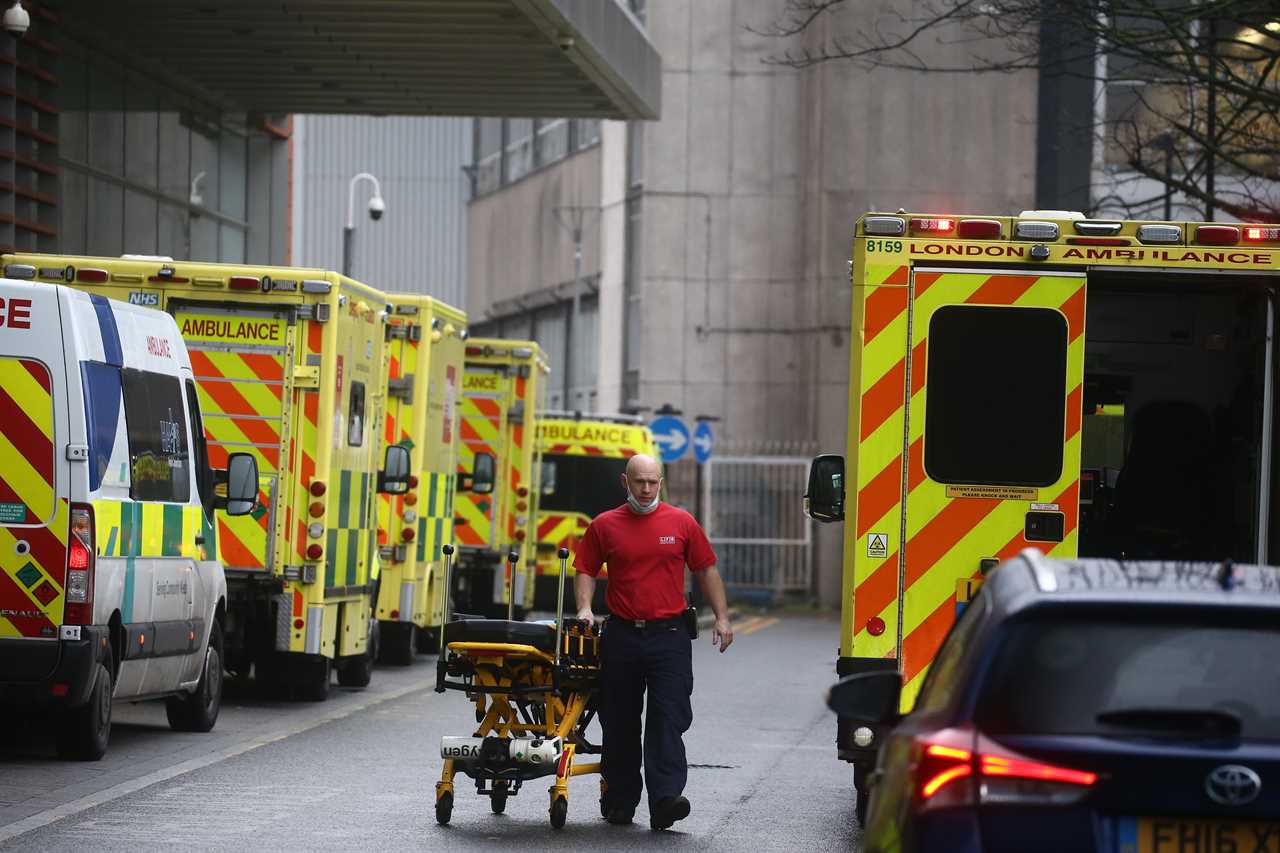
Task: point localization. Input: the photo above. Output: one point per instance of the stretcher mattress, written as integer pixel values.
(539, 635)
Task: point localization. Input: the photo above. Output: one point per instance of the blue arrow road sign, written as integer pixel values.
(672, 437)
(703, 441)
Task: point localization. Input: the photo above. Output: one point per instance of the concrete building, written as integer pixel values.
(163, 127)
(716, 257)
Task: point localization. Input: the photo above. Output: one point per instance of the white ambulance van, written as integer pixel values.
(110, 587)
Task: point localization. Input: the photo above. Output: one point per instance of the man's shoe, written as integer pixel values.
(667, 811)
(620, 816)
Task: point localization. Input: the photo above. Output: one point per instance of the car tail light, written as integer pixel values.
(80, 566)
(949, 773)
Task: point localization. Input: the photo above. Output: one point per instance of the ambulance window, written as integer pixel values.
(159, 465)
(355, 419)
(204, 476)
(995, 396)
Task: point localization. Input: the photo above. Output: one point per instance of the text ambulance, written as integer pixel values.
(423, 385)
(496, 504)
(288, 368)
(109, 579)
(583, 458)
(1084, 387)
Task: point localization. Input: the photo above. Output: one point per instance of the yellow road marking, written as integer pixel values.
(757, 624)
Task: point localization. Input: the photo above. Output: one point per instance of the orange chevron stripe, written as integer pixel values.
(943, 532)
(883, 306)
(882, 399)
(1074, 405)
(1002, 289)
(234, 552)
(915, 469)
(925, 280)
(919, 647)
(876, 592)
(1073, 308)
(877, 497)
(315, 337)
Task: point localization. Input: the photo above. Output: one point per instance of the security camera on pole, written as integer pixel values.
(376, 208)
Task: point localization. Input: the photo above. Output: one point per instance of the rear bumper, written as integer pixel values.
(31, 670)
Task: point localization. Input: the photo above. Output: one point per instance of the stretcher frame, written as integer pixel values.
(520, 690)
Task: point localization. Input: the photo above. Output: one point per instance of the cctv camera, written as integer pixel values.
(376, 208)
(16, 20)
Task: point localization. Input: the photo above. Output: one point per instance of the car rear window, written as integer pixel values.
(1056, 675)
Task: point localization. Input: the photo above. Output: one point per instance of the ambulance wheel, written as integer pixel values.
(398, 645)
(444, 808)
(85, 731)
(358, 671)
(498, 799)
(198, 712)
(313, 679)
(428, 642)
(559, 811)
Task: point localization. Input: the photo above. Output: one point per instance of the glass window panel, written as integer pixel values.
(204, 239)
(139, 224)
(106, 219)
(490, 137)
(175, 165)
(141, 133)
(519, 148)
(232, 249)
(588, 132)
(233, 150)
(159, 466)
(172, 238)
(106, 120)
(73, 212)
(553, 141)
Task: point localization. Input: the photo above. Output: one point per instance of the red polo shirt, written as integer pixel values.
(646, 556)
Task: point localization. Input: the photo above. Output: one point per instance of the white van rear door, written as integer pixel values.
(34, 478)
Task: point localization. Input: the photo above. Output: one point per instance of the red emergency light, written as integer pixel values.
(91, 276)
(933, 225)
(979, 229)
(1261, 233)
(1217, 235)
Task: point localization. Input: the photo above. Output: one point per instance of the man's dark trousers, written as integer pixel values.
(658, 657)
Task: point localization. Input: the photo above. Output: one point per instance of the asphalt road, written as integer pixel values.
(357, 772)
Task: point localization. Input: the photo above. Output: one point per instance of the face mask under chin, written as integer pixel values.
(637, 507)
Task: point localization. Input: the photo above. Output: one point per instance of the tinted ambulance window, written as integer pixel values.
(585, 484)
(996, 395)
(355, 419)
(203, 474)
(159, 465)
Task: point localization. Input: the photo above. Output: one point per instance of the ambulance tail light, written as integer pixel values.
(1160, 233)
(80, 566)
(979, 229)
(884, 226)
(932, 226)
(1217, 235)
(314, 551)
(1261, 233)
(521, 535)
(91, 276)
(244, 282)
(316, 488)
(1033, 229)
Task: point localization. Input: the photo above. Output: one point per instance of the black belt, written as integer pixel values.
(641, 624)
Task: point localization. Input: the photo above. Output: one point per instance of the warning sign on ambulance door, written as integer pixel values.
(877, 546)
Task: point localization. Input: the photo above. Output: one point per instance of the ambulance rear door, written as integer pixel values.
(240, 359)
(485, 399)
(34, 483)
(993, 388)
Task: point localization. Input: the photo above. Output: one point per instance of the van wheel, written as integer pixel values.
(313, 679)
(197, 712)
(84, 732)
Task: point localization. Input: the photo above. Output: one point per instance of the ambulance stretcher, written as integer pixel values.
(534, 686)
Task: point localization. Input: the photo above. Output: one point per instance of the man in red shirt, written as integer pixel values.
(646, 544)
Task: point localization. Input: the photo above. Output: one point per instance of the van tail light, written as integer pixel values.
(949, 773)
(80, 565)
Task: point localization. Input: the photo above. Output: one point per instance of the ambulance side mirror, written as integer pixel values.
(241, 480)
(868, 697)
(824, 500)
(393, 479)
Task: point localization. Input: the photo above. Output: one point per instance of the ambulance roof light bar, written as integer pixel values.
(1154, 233)
(884, 226)
(1035, 229)
(1261, 233)
(1217, 235)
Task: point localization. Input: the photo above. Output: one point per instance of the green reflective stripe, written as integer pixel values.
(344, 500)
(431, 500)
(171, 533)
(364, 500)
(330, 555)
(130, 546)
(353, 555)
(110, 549)
(422, 538)
(439, 540)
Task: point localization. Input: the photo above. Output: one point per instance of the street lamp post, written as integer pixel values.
(376, 208)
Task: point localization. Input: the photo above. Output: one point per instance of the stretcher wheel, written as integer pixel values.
(559, 811)
(444, 808)
(498, 799)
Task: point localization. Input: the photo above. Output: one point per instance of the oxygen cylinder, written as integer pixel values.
(524, 750)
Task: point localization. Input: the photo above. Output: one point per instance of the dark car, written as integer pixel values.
(1088, 705)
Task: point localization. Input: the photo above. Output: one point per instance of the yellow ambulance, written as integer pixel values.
(1089, 387)
(423, 387)
(583, 456)
(495, 505)
(288, 367)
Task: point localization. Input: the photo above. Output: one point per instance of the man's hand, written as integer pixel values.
(722, 634)
(585, 615)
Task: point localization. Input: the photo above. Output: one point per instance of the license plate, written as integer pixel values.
(1194, 835)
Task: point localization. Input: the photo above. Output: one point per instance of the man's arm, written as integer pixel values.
(712, 587)
(584, 590)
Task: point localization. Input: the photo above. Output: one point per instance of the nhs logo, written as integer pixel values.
(144, 297)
